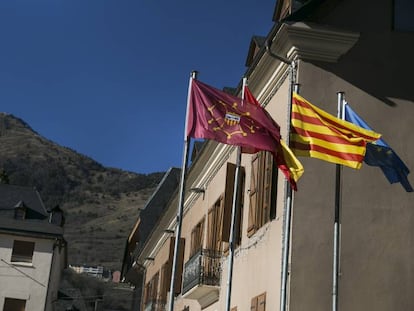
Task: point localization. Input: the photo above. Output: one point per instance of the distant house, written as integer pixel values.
(95, 271)
(116, 276)
(33, 252)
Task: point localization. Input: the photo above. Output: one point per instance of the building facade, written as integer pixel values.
(32, 250)
(336, 48)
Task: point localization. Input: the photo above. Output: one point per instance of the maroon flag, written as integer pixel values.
(216, 115)
(249, 97)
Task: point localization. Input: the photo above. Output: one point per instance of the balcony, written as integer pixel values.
(201, 277)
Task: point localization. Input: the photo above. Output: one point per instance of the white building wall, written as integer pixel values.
(26, 281)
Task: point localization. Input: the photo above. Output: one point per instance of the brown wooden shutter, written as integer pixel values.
(261, 302)
(145, 295)
(197, 235)
(267, 188)
(228, 201)
(253, 304)
(254, 195)
(180, 264)
(165, 280)
(210, 228)
(219, 224)
(239, 208)
(154, 289)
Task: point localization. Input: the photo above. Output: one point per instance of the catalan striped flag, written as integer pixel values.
(318, 134)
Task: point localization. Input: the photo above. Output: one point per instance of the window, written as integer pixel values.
(197, 235)
(219, 215)
(258, 303)
(214, 225)
(11, 304)
(20, 213)
(165, 280)
(263, 191)
(22, 251)
(403, 15)
(151, 291)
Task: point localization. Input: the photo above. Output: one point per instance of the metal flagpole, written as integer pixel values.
(337, 222)
(182, 196)
(233, 219)
(288, 193)
(293, 87)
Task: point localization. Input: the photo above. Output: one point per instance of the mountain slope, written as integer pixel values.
(101, 204)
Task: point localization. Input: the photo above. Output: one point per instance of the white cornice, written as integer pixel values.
(309, 41)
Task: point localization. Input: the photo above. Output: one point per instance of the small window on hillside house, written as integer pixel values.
(20, 213)
(11, 304)
(22, 251)
(403, 15)
(263, 191)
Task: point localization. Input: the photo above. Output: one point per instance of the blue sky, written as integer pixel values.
(109, 78)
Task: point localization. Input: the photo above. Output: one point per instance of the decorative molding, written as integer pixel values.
(309, 41)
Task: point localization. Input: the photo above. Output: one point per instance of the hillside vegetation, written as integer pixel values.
(101, 204)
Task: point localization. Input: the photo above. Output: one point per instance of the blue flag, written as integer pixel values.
(380, 154)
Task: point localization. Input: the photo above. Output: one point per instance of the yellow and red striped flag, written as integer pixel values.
(318, 134)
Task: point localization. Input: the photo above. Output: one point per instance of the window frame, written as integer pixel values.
(9, 300)
(263, 191)
(25, 257)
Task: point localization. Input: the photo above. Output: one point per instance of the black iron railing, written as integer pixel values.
(203, 268)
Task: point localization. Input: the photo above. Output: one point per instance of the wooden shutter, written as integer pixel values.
(239, 208)
(145, 295)
(267, 188)
(210, 228)
(228, 201)
(197, 236)
(214, 225)
(154, 286)
(254, 194)
(261, 302)
(253, 304)
(180, 263)
(165, 280)
(258, 303)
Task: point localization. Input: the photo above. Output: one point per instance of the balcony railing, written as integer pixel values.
(203, 268)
